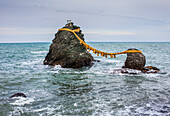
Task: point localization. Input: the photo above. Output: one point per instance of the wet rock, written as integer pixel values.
(96, 60)
(18, 95)
(135, 60)
(126, 71)
(134, 71)
(150, 69)
(66, 50)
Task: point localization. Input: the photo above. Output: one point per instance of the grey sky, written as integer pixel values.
(100, 20)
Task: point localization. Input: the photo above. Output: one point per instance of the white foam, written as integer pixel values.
(75, 104)
(38, 52)
(152, 75)
(22, 101)
(39, 110)
(130, 71)
(18, 111)
(49, 110)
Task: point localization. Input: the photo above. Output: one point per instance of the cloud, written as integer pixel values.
(145, 19)
(24, 31)
(38, 31)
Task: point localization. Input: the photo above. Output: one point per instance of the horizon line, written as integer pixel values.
(100, 42)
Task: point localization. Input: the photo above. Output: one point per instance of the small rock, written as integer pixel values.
(96, 60)
(150, 69)
(18, 95)
(126, 71)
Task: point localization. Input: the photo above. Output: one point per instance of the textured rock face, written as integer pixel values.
(66, 50)
(135, 60)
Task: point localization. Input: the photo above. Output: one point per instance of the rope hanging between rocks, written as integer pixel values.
(95, 50)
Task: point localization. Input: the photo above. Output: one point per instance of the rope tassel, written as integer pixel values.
(94, 51)
(102, 54)
(81, 42)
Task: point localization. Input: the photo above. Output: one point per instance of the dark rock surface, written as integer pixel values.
(150, 69)
(135, 60)
(126, 71)
(66, 50)
(18, 95)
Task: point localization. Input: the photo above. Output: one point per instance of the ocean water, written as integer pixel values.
(95, 91)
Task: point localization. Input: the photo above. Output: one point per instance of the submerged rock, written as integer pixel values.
(150, 69)
(18, 95)
(135, 60)
(134, 71)
(126, 71)
(66, 50)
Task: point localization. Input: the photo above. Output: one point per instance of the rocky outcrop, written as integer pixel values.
(66, 50)
(135, 64)
(135, 60)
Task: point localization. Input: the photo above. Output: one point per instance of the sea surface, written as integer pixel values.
(90, 91)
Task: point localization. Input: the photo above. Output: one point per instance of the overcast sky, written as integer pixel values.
(100, 20)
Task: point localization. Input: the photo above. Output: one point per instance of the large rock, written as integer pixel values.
(66, 50)
(135, 60)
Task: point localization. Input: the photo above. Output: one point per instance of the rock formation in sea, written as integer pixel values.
(18, 95)
(135, 60)
(66, 50)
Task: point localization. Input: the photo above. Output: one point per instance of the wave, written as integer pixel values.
(22, 101)
(39, 52)
(31, 62)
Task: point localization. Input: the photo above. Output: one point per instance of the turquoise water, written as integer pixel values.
(88, 91)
